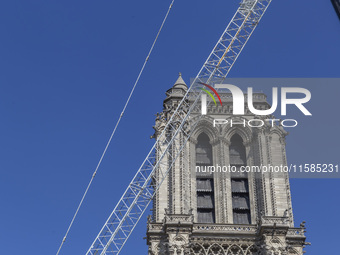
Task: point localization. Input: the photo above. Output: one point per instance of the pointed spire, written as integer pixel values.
(177, 91)
(180, 83)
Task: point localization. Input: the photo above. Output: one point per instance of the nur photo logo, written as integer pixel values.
(242, 101)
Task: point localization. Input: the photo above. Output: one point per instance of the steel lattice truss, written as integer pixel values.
(171, 141)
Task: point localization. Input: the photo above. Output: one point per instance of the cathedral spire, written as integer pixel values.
(175, 94)
(180, 83)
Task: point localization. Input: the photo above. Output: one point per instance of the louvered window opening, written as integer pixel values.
(204, 181)
(239, 182)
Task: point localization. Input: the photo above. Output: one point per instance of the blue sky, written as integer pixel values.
(67, 68)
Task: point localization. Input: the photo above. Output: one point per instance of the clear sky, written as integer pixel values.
(67, 68)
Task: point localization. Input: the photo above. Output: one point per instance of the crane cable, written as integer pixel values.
(115, 128)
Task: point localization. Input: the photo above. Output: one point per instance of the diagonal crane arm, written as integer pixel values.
(142, 188)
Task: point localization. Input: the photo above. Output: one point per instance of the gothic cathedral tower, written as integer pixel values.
(201, 212)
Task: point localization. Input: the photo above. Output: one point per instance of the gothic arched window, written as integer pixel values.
(239, 182)
(204, 181)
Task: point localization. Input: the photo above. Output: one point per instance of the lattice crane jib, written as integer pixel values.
(175, 134)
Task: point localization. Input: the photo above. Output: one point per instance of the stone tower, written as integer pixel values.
(201, 212)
